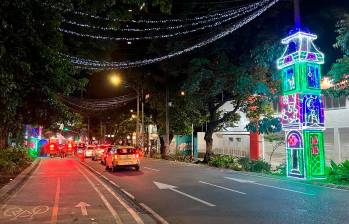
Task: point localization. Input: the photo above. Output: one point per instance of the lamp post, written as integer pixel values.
(116, 80)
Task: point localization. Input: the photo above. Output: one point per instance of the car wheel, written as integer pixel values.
(113, 168)
(106, 167)
(137, 167)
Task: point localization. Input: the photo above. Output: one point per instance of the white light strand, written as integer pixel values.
(197, 18)
(94, 64)
(97, 104)
(158, 36)
(181, 26)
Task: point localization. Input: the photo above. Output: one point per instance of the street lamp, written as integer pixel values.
(116, 80)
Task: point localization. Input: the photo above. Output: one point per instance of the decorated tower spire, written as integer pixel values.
(302, 104)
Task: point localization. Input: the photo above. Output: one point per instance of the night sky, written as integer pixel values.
(318, 16)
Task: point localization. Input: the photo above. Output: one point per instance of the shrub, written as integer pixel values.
(339, 173)
(260, 166)
(13, 160)
(225, 161)
(245, 163)
(281, 170)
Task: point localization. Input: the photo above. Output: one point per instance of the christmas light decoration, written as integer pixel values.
(302, 106)
(196, 22)
(105, 65)
(157, 21)
(96, 105)
(161, 36)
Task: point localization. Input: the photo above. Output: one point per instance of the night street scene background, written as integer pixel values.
(174, 111)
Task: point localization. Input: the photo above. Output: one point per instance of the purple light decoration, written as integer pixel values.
(311, 56)
(312, 111)
(288, 59)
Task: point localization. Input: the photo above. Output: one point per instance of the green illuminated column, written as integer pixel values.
(302, 106)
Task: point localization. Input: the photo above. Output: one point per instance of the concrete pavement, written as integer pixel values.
(63, 191)
(187, 193)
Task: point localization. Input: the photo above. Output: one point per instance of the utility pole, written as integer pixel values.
(88, 129)
(142, 127)
(167, 138)
(137, 121)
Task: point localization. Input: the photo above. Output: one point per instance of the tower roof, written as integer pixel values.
(300, 48)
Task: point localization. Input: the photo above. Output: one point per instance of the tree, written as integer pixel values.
(340, 69)
(32, 71)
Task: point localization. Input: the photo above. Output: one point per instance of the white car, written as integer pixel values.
(89, 151)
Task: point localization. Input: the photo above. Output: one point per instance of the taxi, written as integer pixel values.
(122, 156)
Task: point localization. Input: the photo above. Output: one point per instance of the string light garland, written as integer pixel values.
(162, 36)
(94, 64)
(142, 21)
(218, 16)
(96, 105)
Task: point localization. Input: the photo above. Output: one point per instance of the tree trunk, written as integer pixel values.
(209, 143)
(163, 149)
(3, 138)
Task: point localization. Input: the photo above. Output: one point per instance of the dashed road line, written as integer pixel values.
(156, 215)
(128, 194)
(132, 212)
(271, 186)
(221, 187)
(148, 168)
(55, 208)
(105, 201)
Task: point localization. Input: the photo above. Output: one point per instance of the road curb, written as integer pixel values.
(10, 188)
(128, 195)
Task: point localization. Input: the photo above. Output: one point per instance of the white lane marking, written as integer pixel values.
(240, 180)
(128, 194)
(54, 215)
(132, 212)
(163, 186)
(156, 215)
(105, 201)
(271, 186)
(151, 168)
(82, 206)
(221, 187)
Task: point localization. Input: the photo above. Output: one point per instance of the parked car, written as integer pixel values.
(98, 152)
(89, 151)
(122, 156)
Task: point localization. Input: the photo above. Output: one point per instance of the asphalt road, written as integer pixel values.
(200, 194)
(64, 191)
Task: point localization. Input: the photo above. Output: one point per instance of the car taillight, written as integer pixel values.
(136, 155)
(115, 156)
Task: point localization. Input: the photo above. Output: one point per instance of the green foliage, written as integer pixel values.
(342, 40)
(267, 125)
(281, 170)
(225, 161)
(243, 163)
(13, 160)
(32, 71)
(340, 69)
(254, 165)
(339, 173)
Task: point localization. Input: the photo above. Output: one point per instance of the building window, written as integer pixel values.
(332, 102)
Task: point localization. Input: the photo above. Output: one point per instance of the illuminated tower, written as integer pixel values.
(302, 106)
